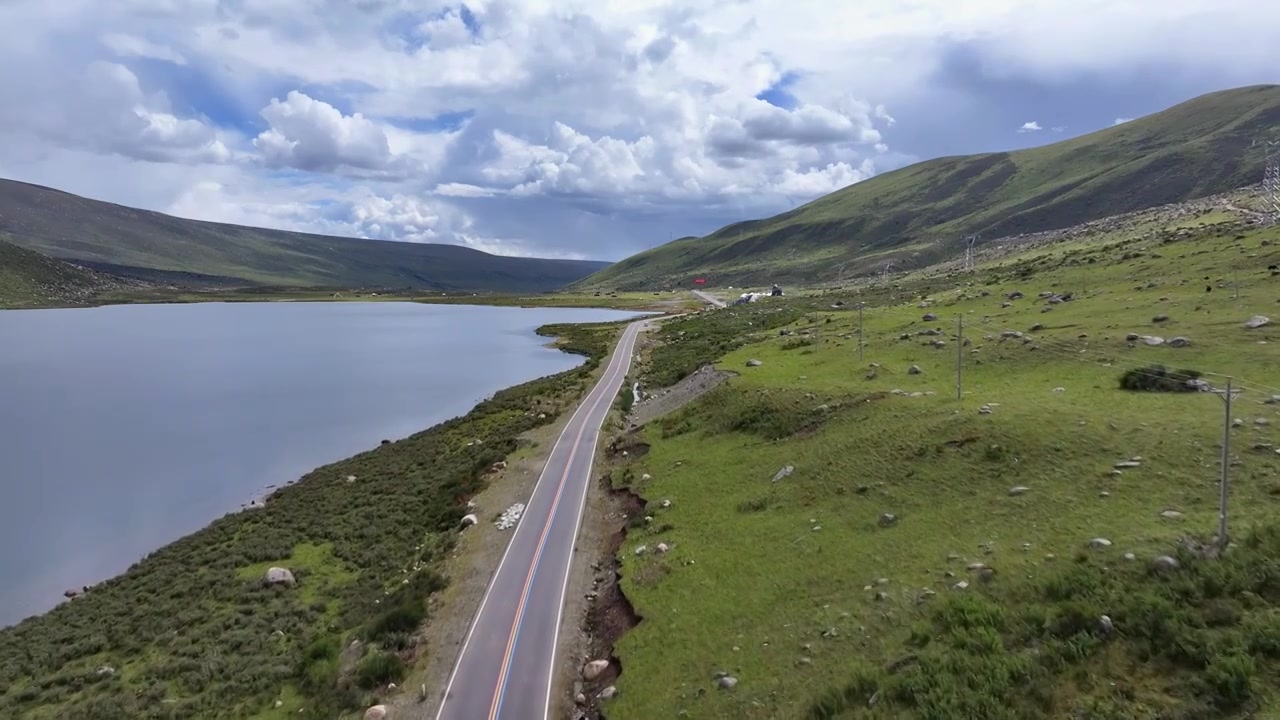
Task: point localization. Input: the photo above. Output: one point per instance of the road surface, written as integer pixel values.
(714, 301)
(507, 663)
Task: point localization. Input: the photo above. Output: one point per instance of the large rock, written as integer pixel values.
(754, 363)
(280, 576)
(594, 669)
(1257, 321)
(377, 712)
(784, 472)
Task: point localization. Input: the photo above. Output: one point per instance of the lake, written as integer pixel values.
(123, 428)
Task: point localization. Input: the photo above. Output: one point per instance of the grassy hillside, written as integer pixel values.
(29, 279)
(153, 246)
(990, 592)
(918, 214)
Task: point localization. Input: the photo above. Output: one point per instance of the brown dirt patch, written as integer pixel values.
(608, 613)
(667, 400)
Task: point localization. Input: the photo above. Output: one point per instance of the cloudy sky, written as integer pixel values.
(571, 128)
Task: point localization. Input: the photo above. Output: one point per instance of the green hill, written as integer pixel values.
(29, 279)
(153, 246)
(918, 214)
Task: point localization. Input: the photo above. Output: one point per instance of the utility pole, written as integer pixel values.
(860, 306)
(1227, 396)
(959, 356)
(884, 269)
(969, 242)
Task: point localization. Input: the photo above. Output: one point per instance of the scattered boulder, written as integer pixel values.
(984, 410)
(914, 370)
(594, 669)
(469, 520)
(1099, 542)
(608, 693)
(1153, 340)
(1037, 327)
(887, 519)
(1105, 625)
(784, 472)
(377, 712)
(754, 363)
(1170, 514)
(727, 682)
(642, 550)
(662, 548)
(929, 317)
(351, 478)
(1015, 295)
(105, 671)
(1160, 318)
(1164, 563)
(1018, 490)
(1179, 342)
(280, 576)
(1256, 322)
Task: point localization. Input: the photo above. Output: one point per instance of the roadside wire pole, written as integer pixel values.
(959, 357)
(1227, 396)
(861, 305)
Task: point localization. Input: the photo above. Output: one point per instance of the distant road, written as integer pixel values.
(714, 301)
(507, 663)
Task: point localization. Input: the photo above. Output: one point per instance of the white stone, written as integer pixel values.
(280, 576)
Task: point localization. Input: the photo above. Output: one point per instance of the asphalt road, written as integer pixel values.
(507, 663)
(714, 301)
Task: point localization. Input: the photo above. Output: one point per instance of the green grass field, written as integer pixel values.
(917, 215)
(796, 589)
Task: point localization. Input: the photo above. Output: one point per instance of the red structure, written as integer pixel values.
(700, 281)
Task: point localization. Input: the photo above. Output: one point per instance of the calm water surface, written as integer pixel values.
(124, 428)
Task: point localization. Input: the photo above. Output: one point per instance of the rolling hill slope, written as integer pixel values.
(150, 245)
(918, 214)
(29, 279)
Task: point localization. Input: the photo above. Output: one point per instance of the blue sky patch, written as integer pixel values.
(779, 93)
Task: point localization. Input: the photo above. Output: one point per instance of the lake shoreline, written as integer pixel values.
(324, 558)
(627, 301)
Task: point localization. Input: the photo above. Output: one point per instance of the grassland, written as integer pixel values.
(916, 215)
(976, 600)
(163, 250)
(29, 279)
(192, 630)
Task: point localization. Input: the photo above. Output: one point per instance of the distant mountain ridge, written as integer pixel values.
(919, 214)
(153, 246)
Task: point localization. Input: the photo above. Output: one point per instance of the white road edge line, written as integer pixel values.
(582, 508)
(475, 621)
